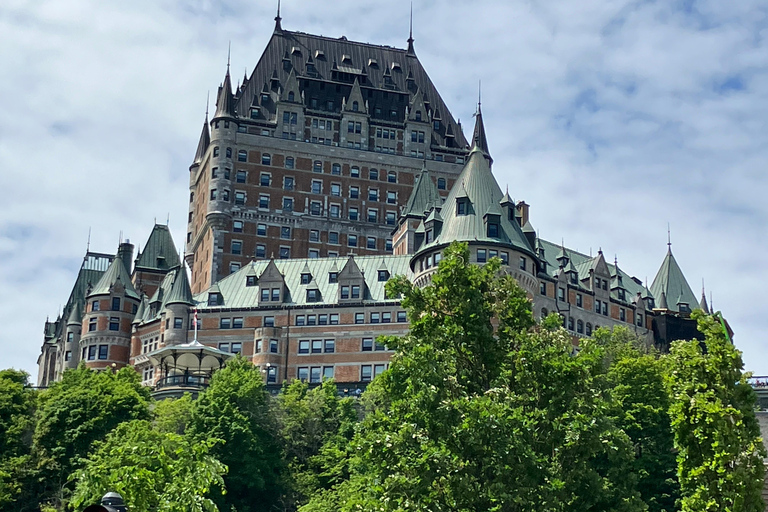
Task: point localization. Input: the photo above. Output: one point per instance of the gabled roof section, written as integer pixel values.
(478, 185)
(181, 293)
(671, 281)
(271, 273)
(424, 195)
(351, 269)
(291, 86)
(379, 60)
(159, 251)
(116, 273)
(356, 95)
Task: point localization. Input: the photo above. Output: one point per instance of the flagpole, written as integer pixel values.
(195, 319)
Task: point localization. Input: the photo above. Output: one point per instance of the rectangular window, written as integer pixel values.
(378, 369)
(178, 323)
(300, 320)
(355, 292)
(237, 247)
(354, 192)
(237, 323)
(373, 194)
(374, 318)
(386, 318)
(353, 213)
(92, 352)
(317, 346)
(303, 346)
(314, 374)
(327, 372)
(240, 176)
(265, 179)
(236, 348)
(114, 323)
(543, 288)
(329, 346)
(237, 226)
(334, 211)
(401, 316)
(391, 197)
(225, 323)
(311, 319)
(481, 256)
(317, 187)
(622, 314)
(522, 263)
(561, 294)
(579, 300)
(271, 375)
(354, 172)
(352, 240)
(103, 351)
(273, 346)
(285, 252)
(275, 294)
(335, 189)
(288, 183)
(315, 208)
(313, 296)
(115, 303)
(391, 218)
(242, 156)
(367, 345)
(365, 373)
(240, 199)
(224, 347)
(288, 204)
(597, 306)
(334, 319)
(303, 374)
(605, 308)
(264, 201)
(285, 233)
(359, 318)
(373, 215)
(269, 321)
(322, 319)
(261, 251)
(371, 242)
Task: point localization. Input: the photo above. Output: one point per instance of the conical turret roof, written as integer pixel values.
(181, 293)
(203, 143)
(479, 140)
(671, 281)
(703, 302)
(76, 315)
(225, 102)
(114, 274)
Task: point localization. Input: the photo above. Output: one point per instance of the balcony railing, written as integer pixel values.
(183, 381)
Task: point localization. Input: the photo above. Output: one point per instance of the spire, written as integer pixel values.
(205, 139)
(278, 26)
(671, 281)
(703, 302)
(424, 195)
(479, 141)
(225, 103)
(411, 51)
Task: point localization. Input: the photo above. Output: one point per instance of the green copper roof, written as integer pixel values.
(181, 292)
(116, 272)
(477, 184)
(423, 197)
(159, 252)
(76, 315)
(671, 281)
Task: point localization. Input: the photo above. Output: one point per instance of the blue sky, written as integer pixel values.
(610, 118)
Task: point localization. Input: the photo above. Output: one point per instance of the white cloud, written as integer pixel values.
(610, 118)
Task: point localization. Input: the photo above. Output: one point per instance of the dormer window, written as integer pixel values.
(313, 295)
(373, 63)
(493, 229)
(291, 96)
(333, 277)
(383, 276)
(250, 281)
(214, 299)
(650, 303)
(418, 115)
(461, 207)
(296, 51)
(429, 236)
(306, 278)
(684, 308)
(346, 58)
(622, 295)
(574, 279)
(355, 106)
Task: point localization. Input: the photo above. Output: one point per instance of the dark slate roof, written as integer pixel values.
(479, 140)
(116, 272)
(180, 293)
(225, 102)
(93, 267)
(477, 183)
(159, 252)
(203, 143)
(671, 281)
(389, 78)
(424, 196)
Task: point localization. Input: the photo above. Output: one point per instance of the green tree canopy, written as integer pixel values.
(17, 408)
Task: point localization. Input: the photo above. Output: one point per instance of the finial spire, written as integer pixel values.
(207, 102)
(278, 26)
(229, 55)
(410, 33)
(479, 94)
(88, 244)
(669, 237)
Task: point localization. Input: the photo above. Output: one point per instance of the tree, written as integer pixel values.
(236, 409)
(316, 426)
(720, 454)
(173, 415)
(17, 407)
(75, 413)
(479, 412)
(636, 376)
(151, 469)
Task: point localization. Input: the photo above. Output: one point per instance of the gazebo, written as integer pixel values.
(185, 368)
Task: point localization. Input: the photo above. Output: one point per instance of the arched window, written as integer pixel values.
(418, 115)
(266, 159)
(580, 327)
(440, 183)
(317, 166)
(589, 329)
(355, 106)
(291, 96)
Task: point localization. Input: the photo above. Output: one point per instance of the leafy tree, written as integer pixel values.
(151, 469)
(17, 475)
(636, 376)
(236, 409)
(478, 412)
(316, 426)
(173, 415)
(75, 413)
(720, 454)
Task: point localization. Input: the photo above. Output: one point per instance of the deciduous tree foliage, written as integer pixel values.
(153, 470)
(236, 409)
(17, 475)
(479, 412)
(720, 455)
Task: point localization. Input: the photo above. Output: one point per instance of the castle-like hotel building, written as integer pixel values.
(333, 167)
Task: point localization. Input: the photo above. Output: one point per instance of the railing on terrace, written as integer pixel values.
(185, 381)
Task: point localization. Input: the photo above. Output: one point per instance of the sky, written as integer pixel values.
(611, 118)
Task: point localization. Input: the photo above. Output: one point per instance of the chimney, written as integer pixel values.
(522, 212)
(125, 253)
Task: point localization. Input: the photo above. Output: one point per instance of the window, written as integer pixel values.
(178, 322)
(392, 177)
(383, 276)
(229, 150)
(313, 295)
(273, 347)
(288, 183)
(285, 233)
(352, 240)
(375, 318)
(237, 226)
(68, 355)
(334, 211)
(303, 374)
(329, 346)
(391, 197)
(336, 169)
(579, 300)
(359, 318)
(333, 237)
(240, 199)
(236, 348)
(639, 319)
(265, 179)
(461, 207)
(242, 156)
(543, 288)
(622, 314)
(317, 187)
(391, 218)
(367, 345)
(265, 295)
(289, 162)
(214, 299)
(225, 195)
(605, 308)
(266, 159)
(354, 172)
(345, 292)
(299, 320)
(355, 292)
(523, 263)
(354, 192)
(597, 306)
(269, 321)
(317, 166)
(314, 374)
(373, 215)
(114, 323)
(561, 294)
(271, 374)
(225, 323)
(275, 294)
(373, 194)
(335, 189)
(317, 346)
(334, 319)
(213, 194)
(580, 327)
(311, 319)
(315, 208)
(91, 352)
(237, 247)
(386, 318)
(493, 230)
(288, 204)
(250, 281)
(373, 174)
(264, 201)
(570, 323)
(378, 369)
(605, 284)
(589, 329)
(365, 373)
(327, 372)
(401, 316)
(303, 346)
(216, 151)
(481, 256)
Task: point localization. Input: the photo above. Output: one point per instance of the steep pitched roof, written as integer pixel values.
(424, 195)
(479, 140)
(225, 102)
(288, 51)
(114, 274)
(671, 281)
(478, 185)
(159, 251)
(203, 143)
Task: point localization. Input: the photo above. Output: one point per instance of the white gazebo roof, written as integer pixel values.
(192, 356)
